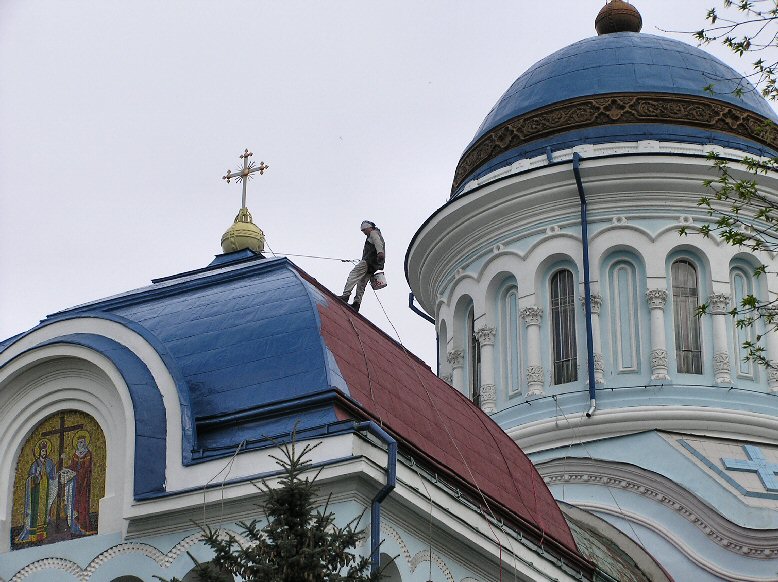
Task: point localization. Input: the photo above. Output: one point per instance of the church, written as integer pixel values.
(582, 423)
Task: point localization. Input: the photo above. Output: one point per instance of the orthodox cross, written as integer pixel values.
(244, 174)
(756, 463)
(61, 431)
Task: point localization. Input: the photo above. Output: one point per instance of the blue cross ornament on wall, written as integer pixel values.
(756, 463)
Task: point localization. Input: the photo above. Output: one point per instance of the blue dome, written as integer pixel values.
(620, 64)
(623, 62)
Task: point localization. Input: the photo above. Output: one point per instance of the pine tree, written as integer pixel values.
(299, 543)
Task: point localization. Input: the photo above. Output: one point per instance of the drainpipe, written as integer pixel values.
(587, 286)
(391, 480)
(423, 315)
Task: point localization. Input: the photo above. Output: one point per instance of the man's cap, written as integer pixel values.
(366, 224)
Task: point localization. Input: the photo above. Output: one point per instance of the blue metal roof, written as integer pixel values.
(623, 62)
(241, 340)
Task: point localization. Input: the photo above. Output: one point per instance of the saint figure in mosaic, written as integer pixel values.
(60, 478)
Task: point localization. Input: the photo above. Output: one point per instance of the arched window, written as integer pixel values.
(688, 345)
(563, 327)
(741, 287)
(59, 481)
(510, 339)
(473, 358)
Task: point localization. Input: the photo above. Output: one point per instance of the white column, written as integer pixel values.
(532, 316)
(599, 364)
(457, 360)
(719, 305)
(488, 391)
(657, 298)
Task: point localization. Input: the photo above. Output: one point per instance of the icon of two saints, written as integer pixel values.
(57, 495)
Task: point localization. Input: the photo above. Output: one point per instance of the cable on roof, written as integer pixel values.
(448, 433)
(309, 256)
(589, 454)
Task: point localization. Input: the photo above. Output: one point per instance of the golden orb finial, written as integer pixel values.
(618, 16)
(243, 234)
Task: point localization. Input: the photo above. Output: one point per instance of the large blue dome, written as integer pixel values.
(619, 64)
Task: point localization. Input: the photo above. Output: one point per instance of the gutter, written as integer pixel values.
(587, 283)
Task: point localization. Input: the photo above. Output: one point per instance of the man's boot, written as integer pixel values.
(355, 306)
(344, 297)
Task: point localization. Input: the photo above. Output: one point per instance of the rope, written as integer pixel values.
(275, 254)
(228, 468)
(588, 452)
(448, 433)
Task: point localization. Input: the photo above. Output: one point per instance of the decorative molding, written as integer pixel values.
(756, 544)
(535, 380)
(488, 394)
(599, 369)
(531, 315)
(486, 335)
(164, 560)
(456, 358)
(615, 109)
(772, 376)
(596, 303)
(719, 303)
(414, 561)
(659, 364)
(659, 358)
(721, 368)
(448, 378)
(657, 298)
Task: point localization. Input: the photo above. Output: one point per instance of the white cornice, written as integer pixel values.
(559, 431)
(526, 199)
(751, 543)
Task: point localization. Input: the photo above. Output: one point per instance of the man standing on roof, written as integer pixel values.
(372, 261)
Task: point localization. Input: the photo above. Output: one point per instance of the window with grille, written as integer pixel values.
(563, 327)
(688, 344)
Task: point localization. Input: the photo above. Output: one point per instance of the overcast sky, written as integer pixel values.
(118, 120)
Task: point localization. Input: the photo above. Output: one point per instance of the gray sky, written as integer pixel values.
(118, 120)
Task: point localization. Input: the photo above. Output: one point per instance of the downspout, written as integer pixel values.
(587, 284)
(391, 480)
(423, 315)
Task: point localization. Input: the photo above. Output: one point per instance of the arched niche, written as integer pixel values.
(59, 480)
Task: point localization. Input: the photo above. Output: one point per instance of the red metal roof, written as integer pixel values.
(426, 414)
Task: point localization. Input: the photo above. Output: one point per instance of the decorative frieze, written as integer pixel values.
(596, 303)
(659, 358)
(535, 380)
(659, 364)
(719, 303)
(456, 358)
(772, 379)
(488, 398)
(531, 315)
(614, 109)
(721, 368)
(657, 298)
(723, 536)
(599, 365)
(485, 335)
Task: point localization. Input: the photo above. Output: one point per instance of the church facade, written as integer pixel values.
(564, 222)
